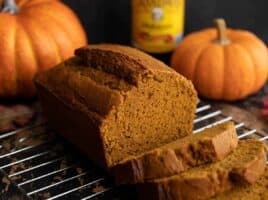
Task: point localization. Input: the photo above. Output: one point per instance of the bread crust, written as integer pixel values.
(215, 143)
(207, 183)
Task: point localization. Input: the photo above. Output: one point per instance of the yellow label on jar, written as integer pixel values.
(157, 25)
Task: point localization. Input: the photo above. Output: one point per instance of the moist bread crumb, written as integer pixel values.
(257, 191)
(113, 102)
(243, 166)
(208, 146)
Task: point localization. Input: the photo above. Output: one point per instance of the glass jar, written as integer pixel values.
(157, 25)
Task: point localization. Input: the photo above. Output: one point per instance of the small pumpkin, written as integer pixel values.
(34, 36)
(223, 64)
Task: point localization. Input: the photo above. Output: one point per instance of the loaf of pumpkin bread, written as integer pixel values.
(245, 165)
(208, 146)
(113, 102)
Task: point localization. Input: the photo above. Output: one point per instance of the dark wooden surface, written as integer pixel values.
(109, 21)
(247, 110)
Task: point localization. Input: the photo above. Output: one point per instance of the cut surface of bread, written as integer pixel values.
(113, 102)
(257, 191)
(244, 165)
(210, 145)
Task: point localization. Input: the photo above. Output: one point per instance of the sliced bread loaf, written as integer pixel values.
(245, 165)
(210, 145)
(113, 101)
(257, 191)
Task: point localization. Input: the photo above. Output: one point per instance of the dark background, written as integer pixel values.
(109, 20)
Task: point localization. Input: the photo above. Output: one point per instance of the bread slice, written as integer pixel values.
(113, 102)
(245, 165)
(257, 191)
(210, 145)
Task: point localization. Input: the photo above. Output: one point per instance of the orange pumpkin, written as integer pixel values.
(222, 64)
(34, 36)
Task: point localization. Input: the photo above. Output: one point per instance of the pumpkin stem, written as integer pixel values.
(221, 31)
(9, 6)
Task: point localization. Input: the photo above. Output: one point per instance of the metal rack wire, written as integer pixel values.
(41, 166)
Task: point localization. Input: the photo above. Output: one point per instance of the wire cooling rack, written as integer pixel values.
(35, 163)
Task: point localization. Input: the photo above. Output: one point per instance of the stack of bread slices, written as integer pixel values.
(210, 164)
(133, 115)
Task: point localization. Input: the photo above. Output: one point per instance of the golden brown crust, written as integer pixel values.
(140, 60)
(79, 126)
(72, 86)
(214, 144)
(123, 61)
(209, 180)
